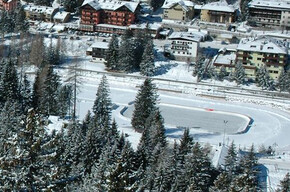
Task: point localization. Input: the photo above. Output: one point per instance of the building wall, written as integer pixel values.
(217, 16)
(8, 6)
(90, 16)
(265, 17)
(204, 15)
(285, 19)
(274, 62)
(183, 50)
(177, 13)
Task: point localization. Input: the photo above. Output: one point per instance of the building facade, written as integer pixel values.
(225, 58)
(40, 13)
(183, 46)
(8, 5)
(120, 13)
(178, 10)
(270, 13)
(98, 51)
(218, 12)
(255, 53)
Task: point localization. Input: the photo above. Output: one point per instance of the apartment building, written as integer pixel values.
(270, 13)
(98, 51)
(255, 53)
(218, 12)
(112, 12)
(8, 5)
(40, 13)
(225, 58)
(184, 46)
(178, 10)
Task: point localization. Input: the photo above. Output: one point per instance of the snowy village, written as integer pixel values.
(145, 95)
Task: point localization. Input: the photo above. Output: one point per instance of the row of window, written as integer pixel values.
(184, 53)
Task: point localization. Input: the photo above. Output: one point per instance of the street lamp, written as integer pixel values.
(225, 122)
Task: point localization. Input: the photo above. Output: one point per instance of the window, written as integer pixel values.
(270, 48)
(259, 59)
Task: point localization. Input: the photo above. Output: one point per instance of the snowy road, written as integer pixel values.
(270, 125)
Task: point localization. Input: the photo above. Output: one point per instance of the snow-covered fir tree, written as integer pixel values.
(283, 81)
(103, 104)
(222, 73)
(112, 54)
(9, 87)
(147, 66)
(126, 60)
(70, 5)
(51, 86)
(263, 79)
(284, 184)
(239, 74)
(199, 69)
(145, 104)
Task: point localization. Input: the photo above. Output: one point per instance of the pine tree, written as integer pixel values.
(199, 69)
(70, 5)
(231, 160)
(9, 88)
(103, 105)
(156, 4)
(283, 81)
(222, 182)
(244, 6)
(64, 100)
(29, 165)
(145, 104)
(247, 179)
(141, 39)
(26, 95)
(21, 24)
(239, 74)
(51, 86)
(43, 2)
(263, 78)
(112, 54)
(285, 184)
(126, 60)
(147, 66)
(198, 169)
(155, 125)
(223, 73)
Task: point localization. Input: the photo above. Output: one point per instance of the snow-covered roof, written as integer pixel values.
(61, 15)
(189, 36)
(112, 26)
(39, 9)
(270, 4)
(100, 44)
(152, 26)
(184, 4)
(222, 6)
(263, 44)
(111, 4)
(225, 57)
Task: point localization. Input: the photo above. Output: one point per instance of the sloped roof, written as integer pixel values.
(188, 36)
(263, 44)
(270, 4)
(39, 9)
(219, 6)
(111, 4)
(184, 4)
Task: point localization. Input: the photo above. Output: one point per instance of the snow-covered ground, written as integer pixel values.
(270, 120)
